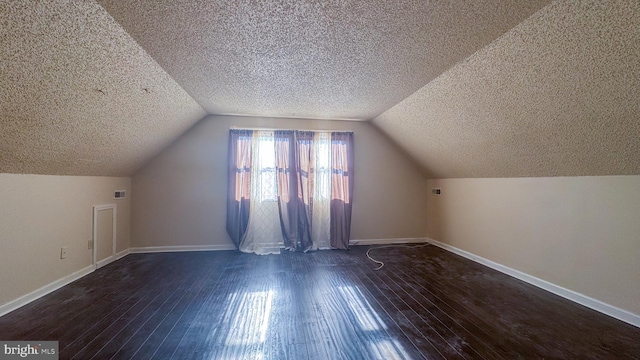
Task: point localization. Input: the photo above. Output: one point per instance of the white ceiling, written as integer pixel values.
(78, 96)
(312, 58)
(558, 95)
(485, 88)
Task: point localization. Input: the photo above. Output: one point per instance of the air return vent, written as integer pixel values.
(119, 194)
(435, 191)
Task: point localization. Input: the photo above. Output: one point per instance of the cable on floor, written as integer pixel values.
(390, 246)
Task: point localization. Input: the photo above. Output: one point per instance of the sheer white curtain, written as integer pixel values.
(264, 235)
(302, 200)
(321, 209)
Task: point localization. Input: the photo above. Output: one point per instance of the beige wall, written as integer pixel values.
(179, 198)
(581, 233)
(39, 214)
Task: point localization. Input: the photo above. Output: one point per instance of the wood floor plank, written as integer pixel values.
(432, 325)
(111, 328)
(201, 320)
(465, 309)
(131, 338)
(517, 319)
(421, 299)
(347, 337)
(397, 342)
(399, 318)
(285, 334)
(147, 342)
(425, 303)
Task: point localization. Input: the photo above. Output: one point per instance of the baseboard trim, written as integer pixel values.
(51, 287)
(156, 249)
(597, 305)
(122, 254)
(104, 262)
(387, 241)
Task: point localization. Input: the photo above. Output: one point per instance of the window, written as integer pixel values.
(323, 166)
(283, 181)
(267, 188)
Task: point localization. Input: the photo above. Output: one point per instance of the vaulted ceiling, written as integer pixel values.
(557, 95)
(485, 88)
(78, 96)
(311, 59)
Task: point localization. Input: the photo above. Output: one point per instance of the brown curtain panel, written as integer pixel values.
(295, 176)
(341, 188)
(239, 184)
(305, 176)
(294, 151)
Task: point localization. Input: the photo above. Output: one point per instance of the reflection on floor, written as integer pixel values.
(425, 303)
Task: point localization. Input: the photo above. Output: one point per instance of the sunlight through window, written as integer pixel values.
(367, 318)
(388, 349)
(250, 319)
(267, 161)
(323, 166)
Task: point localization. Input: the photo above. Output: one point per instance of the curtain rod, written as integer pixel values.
(274, 129)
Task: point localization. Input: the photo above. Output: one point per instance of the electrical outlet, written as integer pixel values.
(90, 244)
(63, 252)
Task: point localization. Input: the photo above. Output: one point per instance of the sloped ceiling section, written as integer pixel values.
(558, 95)
(78, 96)
(312, 58)
(468, 88)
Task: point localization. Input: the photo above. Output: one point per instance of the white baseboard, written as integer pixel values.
(581, 299)
(387, 241)
(111, 259)
(36, 294)
(104, 262)
(122, 254)
(155, 249)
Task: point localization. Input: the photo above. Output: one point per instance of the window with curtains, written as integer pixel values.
(268, 190)
(289, 188)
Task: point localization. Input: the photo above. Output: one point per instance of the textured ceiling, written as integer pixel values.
(557, 95)
(78, 96)
(332, 59)
(487, 88)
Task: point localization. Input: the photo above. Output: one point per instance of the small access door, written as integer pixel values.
(104, 235)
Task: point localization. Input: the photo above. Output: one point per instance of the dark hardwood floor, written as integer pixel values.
(424, 303)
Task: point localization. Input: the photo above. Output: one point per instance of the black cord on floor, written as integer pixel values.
(390, 246)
